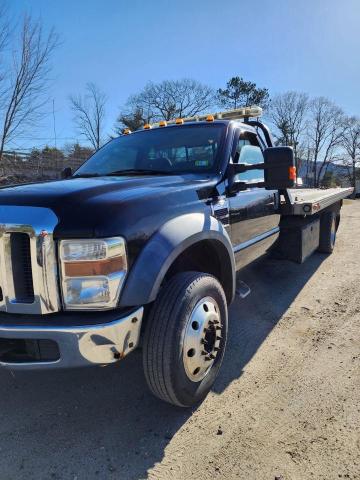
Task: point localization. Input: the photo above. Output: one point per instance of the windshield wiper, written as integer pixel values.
(132, 171)
(129, 171)
(85, 175)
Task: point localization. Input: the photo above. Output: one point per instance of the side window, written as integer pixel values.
(250, 152)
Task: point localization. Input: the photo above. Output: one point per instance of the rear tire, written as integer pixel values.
(185, 338)
(328, 227)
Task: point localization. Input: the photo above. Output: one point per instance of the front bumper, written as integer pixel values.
(69, 346)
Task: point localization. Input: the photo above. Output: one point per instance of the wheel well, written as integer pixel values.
(208, 256)
(336, 207)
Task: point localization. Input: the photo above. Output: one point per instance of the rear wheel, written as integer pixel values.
(328, 226)
(185, 338)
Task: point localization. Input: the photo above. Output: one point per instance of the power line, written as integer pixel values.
(48, 138)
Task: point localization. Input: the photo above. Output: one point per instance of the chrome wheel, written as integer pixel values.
(202, 339)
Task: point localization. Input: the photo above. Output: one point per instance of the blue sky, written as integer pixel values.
(311, 46)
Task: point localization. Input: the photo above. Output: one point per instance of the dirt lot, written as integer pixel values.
(286, 404)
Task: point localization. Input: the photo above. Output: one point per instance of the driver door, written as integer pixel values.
(254, 223)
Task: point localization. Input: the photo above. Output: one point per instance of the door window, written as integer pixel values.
(250, 152)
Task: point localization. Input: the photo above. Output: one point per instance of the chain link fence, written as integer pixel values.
(23, 168)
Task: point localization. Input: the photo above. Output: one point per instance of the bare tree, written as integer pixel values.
(89, 114)
(4, 40)
(166, 100)
(288, 114)
(23, 84)
(325, 131)
(351, 144)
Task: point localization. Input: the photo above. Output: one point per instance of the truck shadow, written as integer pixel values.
(102, 422)
(274, 285)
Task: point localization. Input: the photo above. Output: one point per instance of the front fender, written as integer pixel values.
(173, 238)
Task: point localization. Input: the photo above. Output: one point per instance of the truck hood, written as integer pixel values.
(106, 206)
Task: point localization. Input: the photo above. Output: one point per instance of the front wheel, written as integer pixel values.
(185, 338)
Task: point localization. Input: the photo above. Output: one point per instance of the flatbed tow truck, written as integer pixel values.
(144, 244)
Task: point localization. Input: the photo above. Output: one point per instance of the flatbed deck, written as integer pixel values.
(309, 201)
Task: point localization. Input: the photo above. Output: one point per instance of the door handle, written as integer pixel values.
(276, 198)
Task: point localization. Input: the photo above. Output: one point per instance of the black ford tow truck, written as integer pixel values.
(141, 245)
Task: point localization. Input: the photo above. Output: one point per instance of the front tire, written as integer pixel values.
(185, 338)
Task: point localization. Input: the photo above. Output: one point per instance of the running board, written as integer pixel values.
(242, 290)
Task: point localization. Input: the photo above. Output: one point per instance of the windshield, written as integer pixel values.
(180, 149)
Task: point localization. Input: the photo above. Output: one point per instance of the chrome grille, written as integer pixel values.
(28, 267)
(21, 267)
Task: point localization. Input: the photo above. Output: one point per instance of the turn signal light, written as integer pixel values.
(292, 173)
(94, 268)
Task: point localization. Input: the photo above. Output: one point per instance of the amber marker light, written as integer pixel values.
(126, 131)
(179, 121)
(97, 267)
(292, 173)
(162, 123)
(147, 126)
(210, 118)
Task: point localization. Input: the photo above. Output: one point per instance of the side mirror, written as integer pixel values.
(279, 166)
(279, 170)
(66, 173)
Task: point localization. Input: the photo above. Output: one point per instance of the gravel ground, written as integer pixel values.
(285, 406)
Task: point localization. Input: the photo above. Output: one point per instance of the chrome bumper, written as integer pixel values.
(98, 344)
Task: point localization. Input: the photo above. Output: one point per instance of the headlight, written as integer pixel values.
(92, 272)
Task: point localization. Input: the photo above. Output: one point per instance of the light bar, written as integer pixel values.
(244, 112)
(236, 114)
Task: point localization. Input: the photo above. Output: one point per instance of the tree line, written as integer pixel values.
(319, 131)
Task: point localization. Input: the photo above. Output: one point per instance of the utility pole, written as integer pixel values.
(54, 123)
